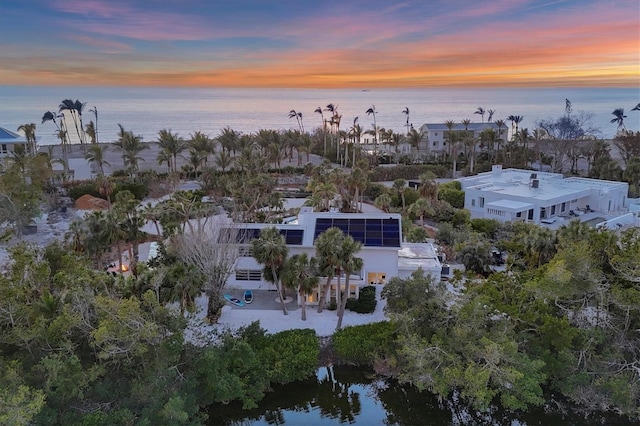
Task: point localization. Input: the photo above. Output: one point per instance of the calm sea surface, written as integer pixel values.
(145, 111)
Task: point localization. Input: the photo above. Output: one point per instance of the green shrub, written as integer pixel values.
(453, 196)
(488, 227)
(290, 355)
(332, 306)
(138, 189)
(77, 191)
(366, 301)
(374, 190)
(363, 344)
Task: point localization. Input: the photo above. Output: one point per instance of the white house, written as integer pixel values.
(437, 134)
(8, 140)
(383, 252)
(539, 197)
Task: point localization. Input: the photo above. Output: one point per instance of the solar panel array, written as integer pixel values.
(370, 232)
(292, 237)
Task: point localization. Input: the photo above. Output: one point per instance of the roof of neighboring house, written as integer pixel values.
(476, 127)
(7, 136)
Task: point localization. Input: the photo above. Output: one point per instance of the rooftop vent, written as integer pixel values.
(534, 176)
(535, 183)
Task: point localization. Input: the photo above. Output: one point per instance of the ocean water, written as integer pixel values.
(145, 111)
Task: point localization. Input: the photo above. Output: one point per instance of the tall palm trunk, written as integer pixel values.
(303, 304)
(280, 292)
(343, 303)
(323, 294)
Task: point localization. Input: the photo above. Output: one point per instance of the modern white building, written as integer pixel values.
(539, 197)
(383, 252)
(437, 134)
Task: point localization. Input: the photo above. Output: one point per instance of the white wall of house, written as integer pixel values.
(380, 264)
(541, 196)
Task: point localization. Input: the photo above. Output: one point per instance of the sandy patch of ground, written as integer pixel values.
(199, 332)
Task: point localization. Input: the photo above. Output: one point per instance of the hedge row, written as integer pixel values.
(413, 171)
(364, 344)
(138, 189)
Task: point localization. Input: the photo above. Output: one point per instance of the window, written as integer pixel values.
(436, 133)
(481, 201)
(543, 213)
(3, 148)
(434, 144)
(553, 210)
(473, 203)
(248, 275)
(563, 207)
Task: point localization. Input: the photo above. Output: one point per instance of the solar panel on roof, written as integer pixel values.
(370, 232)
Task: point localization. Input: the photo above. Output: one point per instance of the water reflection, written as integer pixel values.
(350, 395)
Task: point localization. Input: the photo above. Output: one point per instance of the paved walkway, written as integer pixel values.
(263, 300)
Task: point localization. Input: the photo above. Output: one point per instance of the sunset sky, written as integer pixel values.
(317, 43)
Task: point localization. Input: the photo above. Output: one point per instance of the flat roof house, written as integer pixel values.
(539, 197)
(383, 252)
(8, 140)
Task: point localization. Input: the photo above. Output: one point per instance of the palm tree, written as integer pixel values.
(195, 159)
(372, 111)
(481, 111)
(182, 284)
(500, 123)
(271, 250)
(619, 117)
(400, 185)
(420, 207)
(121, 142)
(94, 110)
(90, 130)
(323, 128)
(491, 112)
(203, 144)
(329, 260)
(61, 133)
(301, 273)
(515, 121)
(229, 139)
(450, 124)
(415, 137)
(30, 135)
(428, 186)
(298, 116)
(335, 126)
(383, 202)
(134, 147)
(95, 155)
(172, 144)
(357, 181)
(405, 111)
(349, 264)
(223, 159)
(75, 109)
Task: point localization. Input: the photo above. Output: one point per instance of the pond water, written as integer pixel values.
(339, 395)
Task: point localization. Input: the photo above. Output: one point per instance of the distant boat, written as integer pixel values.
(234, 300)
(365, 90)
(248, 296)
